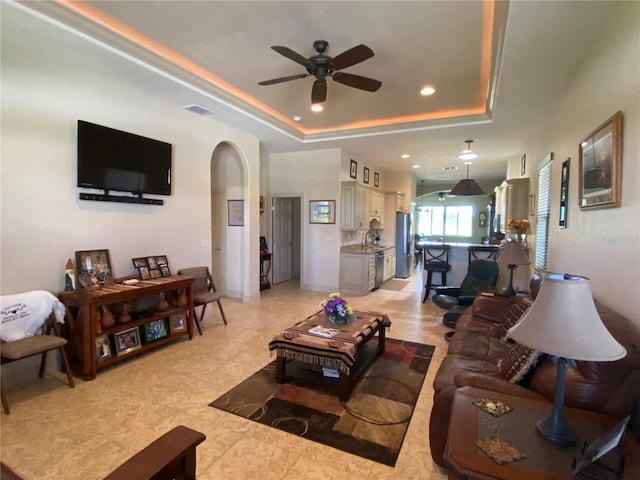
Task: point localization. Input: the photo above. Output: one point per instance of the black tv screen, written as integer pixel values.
(110, 159)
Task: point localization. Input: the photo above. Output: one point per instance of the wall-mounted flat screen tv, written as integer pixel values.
(110, 159)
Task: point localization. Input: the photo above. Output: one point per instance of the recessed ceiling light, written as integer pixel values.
(416, 166)
(429, 90)
(405, 155)
(317, 107)
(297, 118)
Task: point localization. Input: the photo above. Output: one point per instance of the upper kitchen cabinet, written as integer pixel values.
(397, 201)
(359, 205)
(512, 201)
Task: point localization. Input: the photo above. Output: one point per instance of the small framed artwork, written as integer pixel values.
(600, 164)
(564, 194)
(103, 348)
(523, 164)
(353, 169)
(235, 212)
(151, 262)
(376, 179)
(98, 264)
(178, 323)
(155, 273)
(261, 203)
(164, 270)
(365, 178)
(482, 219)
(144, 273)
(154, 330)
(322, 211)
(140, 262)
(127, 341)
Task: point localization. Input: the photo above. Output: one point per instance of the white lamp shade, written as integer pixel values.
(563, 321)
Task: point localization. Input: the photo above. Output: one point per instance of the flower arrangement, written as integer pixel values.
(337, 309)
(521, 226)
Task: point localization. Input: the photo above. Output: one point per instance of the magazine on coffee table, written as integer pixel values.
(324, 331)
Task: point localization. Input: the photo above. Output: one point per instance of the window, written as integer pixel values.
(441, 220)
(542, 229)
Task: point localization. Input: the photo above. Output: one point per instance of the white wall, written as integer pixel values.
(603, 245)
(312, 175)
(49, 81)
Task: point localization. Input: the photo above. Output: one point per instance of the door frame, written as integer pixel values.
(298, 230)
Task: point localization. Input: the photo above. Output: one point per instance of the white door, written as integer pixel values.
(282, 240)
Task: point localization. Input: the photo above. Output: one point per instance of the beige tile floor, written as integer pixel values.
(55, 432)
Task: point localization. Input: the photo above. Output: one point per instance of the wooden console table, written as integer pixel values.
(82, 326)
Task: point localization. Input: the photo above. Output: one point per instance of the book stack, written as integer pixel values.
(324, 331)
(331, 372)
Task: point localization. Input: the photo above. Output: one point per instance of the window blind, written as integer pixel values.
(542, 229)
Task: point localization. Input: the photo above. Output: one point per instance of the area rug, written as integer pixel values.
(371, 424)
(395, 285)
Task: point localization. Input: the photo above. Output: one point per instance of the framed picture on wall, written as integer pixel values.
(322, 211)
(564, 194)
(376, 179)
(366, 175)
(235, 212)
(600, 163)
(353, 169)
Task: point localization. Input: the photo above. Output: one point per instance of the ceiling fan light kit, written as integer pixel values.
(322, 66)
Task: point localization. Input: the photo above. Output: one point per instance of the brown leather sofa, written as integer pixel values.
(477, 356)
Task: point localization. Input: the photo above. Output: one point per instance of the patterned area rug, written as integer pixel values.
(371, 424)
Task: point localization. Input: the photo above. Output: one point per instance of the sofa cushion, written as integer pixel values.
(518, 363)
(514, 314)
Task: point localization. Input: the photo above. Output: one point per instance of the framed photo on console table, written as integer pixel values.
(178, 323)
(127, 341)
(93, 268)
(600, 164)
(154, 330)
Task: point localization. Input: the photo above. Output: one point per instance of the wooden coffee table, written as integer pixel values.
(350, 351)
(544, 460)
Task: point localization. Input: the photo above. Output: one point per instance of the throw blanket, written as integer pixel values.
(23, 314)
(296, 343)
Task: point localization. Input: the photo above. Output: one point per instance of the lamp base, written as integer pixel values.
(560, 434)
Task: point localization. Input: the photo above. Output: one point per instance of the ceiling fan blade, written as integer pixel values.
(283, 79)
(356, 81)
(291, 55)
(319, 91)
(352, 56)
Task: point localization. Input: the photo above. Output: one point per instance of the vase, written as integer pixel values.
(182, 299)
(124, 316)
(108, 320)
(336, 319)
(162, 305)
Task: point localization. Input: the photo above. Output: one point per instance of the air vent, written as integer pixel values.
(198, 109)
(450, 168)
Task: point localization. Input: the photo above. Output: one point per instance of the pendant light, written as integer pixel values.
(467, 186)
(468, 153)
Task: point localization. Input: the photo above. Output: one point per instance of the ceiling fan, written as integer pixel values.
(322, 66)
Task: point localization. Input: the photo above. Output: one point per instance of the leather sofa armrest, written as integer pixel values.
(495, 384)
(450, 291)
(170, 456)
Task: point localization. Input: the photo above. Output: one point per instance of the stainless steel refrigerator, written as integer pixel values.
(404, 245)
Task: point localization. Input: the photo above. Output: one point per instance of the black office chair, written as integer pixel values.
(435, 260)
(481, 275)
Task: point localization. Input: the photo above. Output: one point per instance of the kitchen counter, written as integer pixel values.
(368, 250)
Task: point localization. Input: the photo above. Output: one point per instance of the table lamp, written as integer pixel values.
(513, 255)
(563, 323)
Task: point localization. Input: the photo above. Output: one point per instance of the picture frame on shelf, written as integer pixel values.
(155, 273)
(322, 211)
(365, 177)
(353, 169)
(564, 194)
(152, 263)
(154, 330)
(600, 165)
(127, 341)
(235, 213)
(165, 271)
(144, 273)
(376, 179)
(177, 323)
(103, 348)
(93, 269)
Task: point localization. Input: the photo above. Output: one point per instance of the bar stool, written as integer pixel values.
(488, 252)
(435, 260)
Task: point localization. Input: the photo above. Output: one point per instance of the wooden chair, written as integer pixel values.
(170, 457)
(204, 292)
(436, 260)
(37, 344)
(483, 251)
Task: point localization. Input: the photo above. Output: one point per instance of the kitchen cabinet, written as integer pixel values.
(357, 273)
(396, 200)
(389, 264)
(358, 202)
(512, 201)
